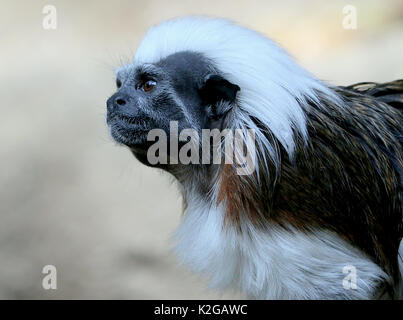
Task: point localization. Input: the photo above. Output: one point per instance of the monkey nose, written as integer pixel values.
(120, 101)
(116, 102)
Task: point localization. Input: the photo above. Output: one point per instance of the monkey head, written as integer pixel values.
(184, 87)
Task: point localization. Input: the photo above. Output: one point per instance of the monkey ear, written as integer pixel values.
(215, 89)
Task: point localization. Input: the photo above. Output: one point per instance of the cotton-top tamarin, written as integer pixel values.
(320, 215)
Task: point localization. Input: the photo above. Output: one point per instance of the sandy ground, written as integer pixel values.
(68, 195)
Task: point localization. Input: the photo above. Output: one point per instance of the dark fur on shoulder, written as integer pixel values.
(347, 178)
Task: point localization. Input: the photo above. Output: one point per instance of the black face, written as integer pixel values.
(183, 87)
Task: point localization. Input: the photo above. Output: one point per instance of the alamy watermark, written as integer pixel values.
(350, 280)
(49, 21)
(49, 281)
(350, 17)
(236, 146)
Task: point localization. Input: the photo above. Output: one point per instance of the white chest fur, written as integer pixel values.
(273, 263)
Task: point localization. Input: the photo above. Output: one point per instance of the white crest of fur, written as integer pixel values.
(273, 86)
(272, 263)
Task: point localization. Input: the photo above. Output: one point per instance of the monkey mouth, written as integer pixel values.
(128, 131)
(132, 121)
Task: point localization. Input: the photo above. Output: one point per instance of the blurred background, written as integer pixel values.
(72, 198)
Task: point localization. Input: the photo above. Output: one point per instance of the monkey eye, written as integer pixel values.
(149, 85)
(118, 83)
